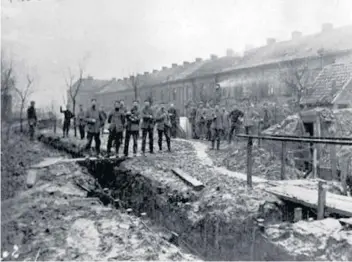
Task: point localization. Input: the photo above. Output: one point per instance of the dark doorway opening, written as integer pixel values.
(308, 164)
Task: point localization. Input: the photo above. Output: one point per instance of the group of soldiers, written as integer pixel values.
(124, 124)
(215, 124)
(208, 123)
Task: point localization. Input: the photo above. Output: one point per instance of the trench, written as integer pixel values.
(210, 237)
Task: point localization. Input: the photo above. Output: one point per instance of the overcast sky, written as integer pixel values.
(113, 38)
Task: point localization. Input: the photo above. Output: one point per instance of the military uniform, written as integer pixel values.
(132, 129)
(81, 123)
(32, 121)
(93, 120)
(200, 122)
(116, 121)
(217, 126)
(163, 127)
(147, 128)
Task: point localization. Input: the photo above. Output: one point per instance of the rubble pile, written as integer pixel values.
(322, 240)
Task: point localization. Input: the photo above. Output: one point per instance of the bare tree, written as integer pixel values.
(23, 95)
(7, 83)
(296, 76)
(74, 87)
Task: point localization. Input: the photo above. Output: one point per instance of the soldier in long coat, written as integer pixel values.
(217, 126)
(116, 120)
(163, 124)
(147, 115)
(93, 119)
(132, 128)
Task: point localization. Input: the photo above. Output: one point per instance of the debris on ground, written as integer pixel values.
(55, 220)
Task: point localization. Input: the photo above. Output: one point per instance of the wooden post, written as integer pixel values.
(344, 173)
(283, 160)
(315, 162)
(333, 161)
(321, 199)
(249, 162)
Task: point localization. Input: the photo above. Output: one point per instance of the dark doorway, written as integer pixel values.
(308, 164)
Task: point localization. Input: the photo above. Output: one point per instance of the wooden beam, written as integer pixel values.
(337, 204)
(321, 200)
(196, 184)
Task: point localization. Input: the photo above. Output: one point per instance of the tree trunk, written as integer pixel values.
(74, 118)
(21, 118)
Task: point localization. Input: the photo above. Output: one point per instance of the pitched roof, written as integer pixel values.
(339, 39)
(214, 66)
(90, 84)
(329, 84)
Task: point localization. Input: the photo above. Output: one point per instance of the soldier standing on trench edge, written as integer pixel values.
(217, 126)
(174, 120)
(116, 119)
(32, 119)
(132, 128)
(163, 126)
(67, 120)
(81, 122)
(147, 127)
(93, 119)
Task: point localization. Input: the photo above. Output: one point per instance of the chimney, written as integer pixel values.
(199, 59)
(164, 68)
(146, 73)
(270, 41)
(296, 34)
(174, 65)
(185, 63)
(326, 27)
(131, 77)
(155, 71)
(213, 57)
(230, 52)
(125, 78)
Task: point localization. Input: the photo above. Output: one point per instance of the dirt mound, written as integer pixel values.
(323, 240)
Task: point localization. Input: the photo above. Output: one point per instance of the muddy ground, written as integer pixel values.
(56, 221)
(225, 200)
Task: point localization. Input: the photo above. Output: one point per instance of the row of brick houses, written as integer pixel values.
(270, 70)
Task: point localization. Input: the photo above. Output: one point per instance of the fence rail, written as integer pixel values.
(346, 141)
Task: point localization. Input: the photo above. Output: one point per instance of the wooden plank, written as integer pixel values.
(31, 178)
(197, 185)
(309, 197)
